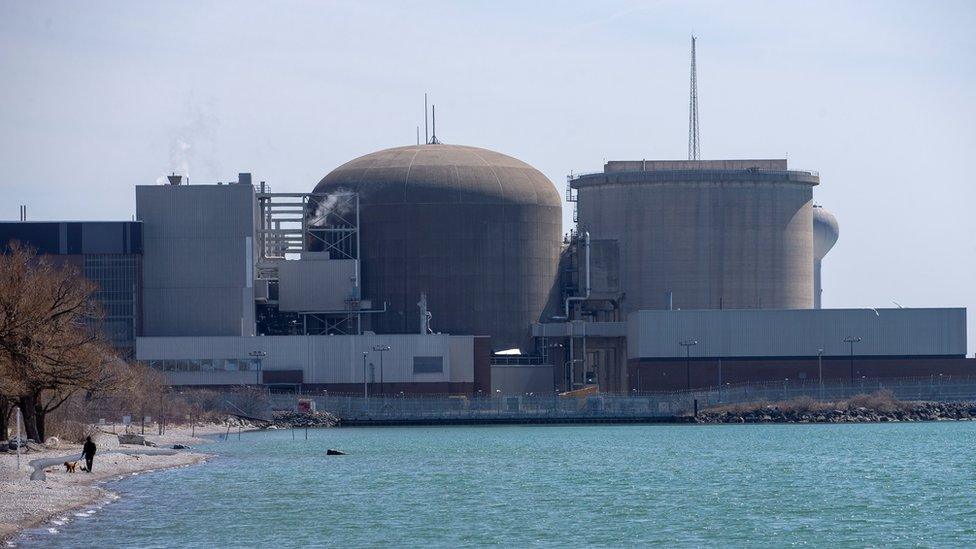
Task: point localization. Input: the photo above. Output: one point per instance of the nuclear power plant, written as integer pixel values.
(442, 268)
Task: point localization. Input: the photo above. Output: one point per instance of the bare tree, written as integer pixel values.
(51, 344)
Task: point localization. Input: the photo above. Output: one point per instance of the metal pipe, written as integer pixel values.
(586, 295)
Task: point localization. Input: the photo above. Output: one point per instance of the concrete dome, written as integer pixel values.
(442, 174)
(477, 231)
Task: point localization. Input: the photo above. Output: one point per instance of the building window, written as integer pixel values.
(428, 364)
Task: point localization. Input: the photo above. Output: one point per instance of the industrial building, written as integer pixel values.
(443, 269)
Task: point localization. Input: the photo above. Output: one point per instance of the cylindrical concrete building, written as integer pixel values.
(476, 231)
(734, 234)
(825, 233)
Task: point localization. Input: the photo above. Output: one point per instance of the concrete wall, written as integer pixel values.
(323, 360)
(793, 333)
(661, 165)
(520, 379)
(729, 239)
(198, 262)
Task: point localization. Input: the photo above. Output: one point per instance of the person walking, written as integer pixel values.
(88, 452)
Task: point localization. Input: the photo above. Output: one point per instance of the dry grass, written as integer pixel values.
(880, 401)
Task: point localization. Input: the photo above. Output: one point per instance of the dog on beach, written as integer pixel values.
(70, 466)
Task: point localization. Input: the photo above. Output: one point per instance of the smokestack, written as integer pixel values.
(174, 179)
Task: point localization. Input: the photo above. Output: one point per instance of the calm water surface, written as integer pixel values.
(741, 485)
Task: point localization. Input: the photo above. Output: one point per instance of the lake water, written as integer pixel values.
(723, 485)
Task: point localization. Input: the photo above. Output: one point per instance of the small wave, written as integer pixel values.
(52, 530)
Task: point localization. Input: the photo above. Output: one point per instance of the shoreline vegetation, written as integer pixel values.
(878, 407)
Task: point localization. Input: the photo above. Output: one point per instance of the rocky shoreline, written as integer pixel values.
(792, 412)
(287, 420)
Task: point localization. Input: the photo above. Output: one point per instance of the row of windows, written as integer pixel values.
(421, 365)
(204, 365)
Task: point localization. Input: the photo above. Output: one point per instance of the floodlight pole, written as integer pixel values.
(852, 340)
(688, 344)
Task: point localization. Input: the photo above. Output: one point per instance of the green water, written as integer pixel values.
(725, 485)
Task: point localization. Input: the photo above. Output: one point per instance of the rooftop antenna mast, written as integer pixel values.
(426, 136)
(694, 143)
(433, 125)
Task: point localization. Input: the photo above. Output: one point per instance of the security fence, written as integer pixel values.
(642, 407)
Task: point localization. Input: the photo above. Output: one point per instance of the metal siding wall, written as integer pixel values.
(315, 285)
(461, 363)
(775, 333)
(327, 359)
(195, 259)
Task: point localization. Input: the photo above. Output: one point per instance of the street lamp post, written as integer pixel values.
(381, 349)
(820, 370)
(257, 356)
(688, 344)
(365, 379)
(852, 340)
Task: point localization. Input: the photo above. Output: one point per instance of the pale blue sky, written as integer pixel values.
(877, 96)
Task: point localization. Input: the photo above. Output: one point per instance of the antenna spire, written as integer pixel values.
(433, 125)
(694, 142)
(426, 137)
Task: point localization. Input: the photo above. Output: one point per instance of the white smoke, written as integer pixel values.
(193, 144)
(338, 203)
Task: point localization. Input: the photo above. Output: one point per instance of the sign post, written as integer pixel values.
(18, 438)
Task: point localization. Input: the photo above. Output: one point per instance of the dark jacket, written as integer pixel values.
(88, 450)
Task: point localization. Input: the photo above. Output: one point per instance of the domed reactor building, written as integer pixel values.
(473, 233)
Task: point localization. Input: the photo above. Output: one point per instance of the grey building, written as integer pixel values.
(198, 272)
(379, 364)
(672, 350)
(108, 253)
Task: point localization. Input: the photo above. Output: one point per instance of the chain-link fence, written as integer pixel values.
(642, 407)
(257, 403)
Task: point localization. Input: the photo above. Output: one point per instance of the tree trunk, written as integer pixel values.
(39, 416)
(28, 410)
(4, 417)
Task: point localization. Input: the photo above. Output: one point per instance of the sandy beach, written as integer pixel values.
(26, 503)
